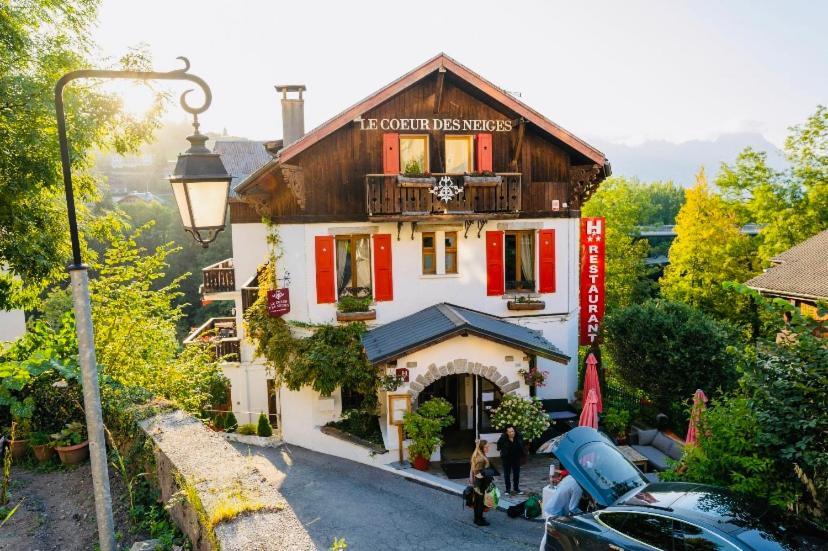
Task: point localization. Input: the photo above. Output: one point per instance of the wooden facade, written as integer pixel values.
(337, 175)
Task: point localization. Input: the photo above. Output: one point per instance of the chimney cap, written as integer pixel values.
(291, 88)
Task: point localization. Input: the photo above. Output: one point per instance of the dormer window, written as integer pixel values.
(459, 154)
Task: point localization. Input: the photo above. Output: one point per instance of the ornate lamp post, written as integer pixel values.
(205, 183)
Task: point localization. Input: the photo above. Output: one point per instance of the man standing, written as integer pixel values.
(563, 502)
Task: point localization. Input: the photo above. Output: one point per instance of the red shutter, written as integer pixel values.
(484, 152)
(325, 289)
(383, 274)
(546, 247)
(495, 284)
(390, 153)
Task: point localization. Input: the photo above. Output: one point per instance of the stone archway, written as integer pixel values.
(458, 367)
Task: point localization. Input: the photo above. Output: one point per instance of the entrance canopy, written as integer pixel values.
(444, 321)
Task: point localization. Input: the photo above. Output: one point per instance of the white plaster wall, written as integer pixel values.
(12, 325)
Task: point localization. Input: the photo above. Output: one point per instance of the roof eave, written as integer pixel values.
(785, 294)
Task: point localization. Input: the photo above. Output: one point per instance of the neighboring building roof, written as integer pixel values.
(801, 271)
(145, 196)
(241, 158)
(443, 321)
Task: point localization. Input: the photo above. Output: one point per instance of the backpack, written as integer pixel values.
(468, 496)
(516, 511)
(532, 507)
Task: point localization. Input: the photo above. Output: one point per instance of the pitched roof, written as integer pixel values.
(443, 321)
(241, 158)
(442, 61)
(801, 271)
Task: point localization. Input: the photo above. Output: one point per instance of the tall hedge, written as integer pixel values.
(668, 350)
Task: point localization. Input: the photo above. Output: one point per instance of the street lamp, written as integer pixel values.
(201, 171)
(201, 185)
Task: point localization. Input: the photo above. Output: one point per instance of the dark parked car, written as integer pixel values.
(633, 514)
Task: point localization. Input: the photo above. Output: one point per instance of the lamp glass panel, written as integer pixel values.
(208, 201)
(181, 201)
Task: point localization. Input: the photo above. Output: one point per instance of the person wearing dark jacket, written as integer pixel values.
(510, 445)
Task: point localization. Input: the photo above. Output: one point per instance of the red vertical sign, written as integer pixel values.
(592, 278)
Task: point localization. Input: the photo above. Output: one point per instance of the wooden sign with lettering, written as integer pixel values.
(402, 374)
(278, 302)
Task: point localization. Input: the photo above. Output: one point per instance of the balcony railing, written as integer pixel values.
(387, 197)
(218, 278)
(221, 335)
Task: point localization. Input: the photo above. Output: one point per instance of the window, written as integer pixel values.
(653, 530)
(459, 150)
(429, 253)
(414, 154)
(519, 263)
(451, 252)
(353, 265)
(692, 538)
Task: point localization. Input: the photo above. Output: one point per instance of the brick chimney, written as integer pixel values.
(293, 113)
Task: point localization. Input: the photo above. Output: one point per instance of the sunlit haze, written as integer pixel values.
(619, 71)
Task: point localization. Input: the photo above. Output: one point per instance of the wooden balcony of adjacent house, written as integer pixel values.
(250, 291)
(219, 281)
(398, 198)
(221, 336)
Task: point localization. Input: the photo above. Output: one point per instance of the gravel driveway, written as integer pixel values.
(374, 509)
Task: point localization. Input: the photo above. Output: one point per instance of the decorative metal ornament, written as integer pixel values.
(446, 189)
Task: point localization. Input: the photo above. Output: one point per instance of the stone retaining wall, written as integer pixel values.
(204, 475)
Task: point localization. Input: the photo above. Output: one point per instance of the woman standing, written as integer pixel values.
(480, 479)
(510, 445)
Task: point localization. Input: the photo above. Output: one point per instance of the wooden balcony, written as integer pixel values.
(250, 292)
(218, 278)
(391, 200)
(221, 335)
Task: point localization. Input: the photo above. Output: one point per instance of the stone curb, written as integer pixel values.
(252, 439)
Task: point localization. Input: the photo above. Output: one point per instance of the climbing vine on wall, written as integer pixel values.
(330, 357)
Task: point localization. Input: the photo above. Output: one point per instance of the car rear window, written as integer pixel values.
(609, 470)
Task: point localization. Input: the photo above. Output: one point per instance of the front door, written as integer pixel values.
(459, 437)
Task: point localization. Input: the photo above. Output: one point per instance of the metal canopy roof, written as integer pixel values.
(444, 321)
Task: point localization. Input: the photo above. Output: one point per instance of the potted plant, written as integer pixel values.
(424, 427)
(19, 438)
(350, 308)
(617, 422)
(414, 176)
(533, 376)
(485, 178)
(525, 302)
(525, 414)
(42, 446)
(71, 443)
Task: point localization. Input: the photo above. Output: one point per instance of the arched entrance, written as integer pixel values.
(472, 398)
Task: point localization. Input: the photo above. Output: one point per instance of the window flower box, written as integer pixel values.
(484, 179)
(356, 316)
(526, 304)
(416, 181)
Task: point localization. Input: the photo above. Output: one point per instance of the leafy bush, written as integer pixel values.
(425, 426)
(350, 304)
(668, 350)
(616, 421)
(218, 421)
(72, 434)
(247, 429)
(525, 414)
(364, 424)
(230, 422)
(263, 428)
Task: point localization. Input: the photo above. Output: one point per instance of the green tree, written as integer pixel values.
(620, 202)
(709, 250)
(663, 201)
(668, 350)
(40, 40)
(792, 204)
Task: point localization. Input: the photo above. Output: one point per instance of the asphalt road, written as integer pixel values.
(374, 509)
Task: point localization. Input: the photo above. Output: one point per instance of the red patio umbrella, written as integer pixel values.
(589, 415)
(591, 380)
(699, 401)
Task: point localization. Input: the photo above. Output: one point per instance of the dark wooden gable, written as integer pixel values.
(325, 180)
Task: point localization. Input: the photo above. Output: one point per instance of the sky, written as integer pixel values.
(624, 72)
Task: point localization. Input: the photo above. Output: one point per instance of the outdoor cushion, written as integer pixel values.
(657, 459)
(645, 437)
(676, 450)
(662, 443)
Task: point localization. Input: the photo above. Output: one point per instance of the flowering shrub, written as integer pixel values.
(534, 376)
(525, 414)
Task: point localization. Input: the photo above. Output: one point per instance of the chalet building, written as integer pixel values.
(798, 275)
(450, 204)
